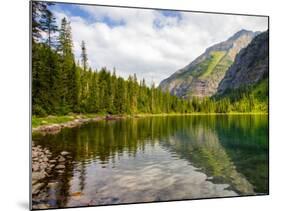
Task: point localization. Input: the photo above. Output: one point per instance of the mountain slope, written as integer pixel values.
(202, 76)
(250, 66)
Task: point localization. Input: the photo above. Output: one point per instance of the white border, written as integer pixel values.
(14, 86)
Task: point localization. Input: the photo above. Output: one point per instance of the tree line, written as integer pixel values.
(61, 85)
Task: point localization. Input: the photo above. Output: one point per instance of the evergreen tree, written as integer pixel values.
(84, 56)
(48, 25)
(68, 73)
(37, 8)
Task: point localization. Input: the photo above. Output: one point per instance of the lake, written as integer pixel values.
(158, 159)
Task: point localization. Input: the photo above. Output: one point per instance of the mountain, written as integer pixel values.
(250, 67)
(202, 76)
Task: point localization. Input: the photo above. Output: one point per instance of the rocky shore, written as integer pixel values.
(56, 128)
(47, 167)
(43, 164)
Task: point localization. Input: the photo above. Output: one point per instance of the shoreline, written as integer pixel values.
(77, 120)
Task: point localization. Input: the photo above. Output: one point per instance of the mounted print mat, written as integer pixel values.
(135, 105)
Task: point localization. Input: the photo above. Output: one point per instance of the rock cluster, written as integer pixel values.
(40, 167)
(44, 165)
(56, 128)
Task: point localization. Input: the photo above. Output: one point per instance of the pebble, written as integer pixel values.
(60, 166)
(41, 206)
(52, 185)
(35, 167)
(52, 161)
(38, 175)
(63, 153)
(60, 171)
(61, 159)
(36, 188)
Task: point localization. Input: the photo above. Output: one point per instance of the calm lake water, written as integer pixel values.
(159, 158)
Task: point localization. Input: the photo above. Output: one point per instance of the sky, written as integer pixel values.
(151, 43)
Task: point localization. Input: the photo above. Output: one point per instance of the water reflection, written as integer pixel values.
(160, 158)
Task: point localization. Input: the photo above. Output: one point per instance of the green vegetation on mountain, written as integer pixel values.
(246, 83)
(252, 98)
(211, 63)
(202, 76)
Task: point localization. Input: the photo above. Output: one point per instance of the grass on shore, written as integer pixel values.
(49, 120)
(39, 121)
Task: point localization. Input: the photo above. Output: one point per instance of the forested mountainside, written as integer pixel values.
(249, 74)
(249, 67)
(202, 76)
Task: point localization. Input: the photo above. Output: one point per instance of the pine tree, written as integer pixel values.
(93, 100)
(84, 56)
(48, 25)
(37, 8)
(68, 73)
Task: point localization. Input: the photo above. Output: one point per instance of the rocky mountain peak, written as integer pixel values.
(250, 65)
(202, 76)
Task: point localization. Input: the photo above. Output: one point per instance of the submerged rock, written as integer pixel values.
(38, 175)
(52, 185)
(36, 188)
(41, 206)
(52, 161)
(60, 166)
(35, 166)
(61, 159)
(60, 171)
(63, 153)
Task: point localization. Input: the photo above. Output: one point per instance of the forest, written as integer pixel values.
(61, 84)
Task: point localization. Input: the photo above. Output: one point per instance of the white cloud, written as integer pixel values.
(138, 46)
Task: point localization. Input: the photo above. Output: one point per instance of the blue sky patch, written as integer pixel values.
(73, 10)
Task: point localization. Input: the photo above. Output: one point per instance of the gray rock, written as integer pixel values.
(63, 153)
(38, 175)
(36, 188)
(33, 182)
(60, 171)
(61, 159)
(52, 185)
(35, 167)
(41, 206)
(52, 161)
(60, 166)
